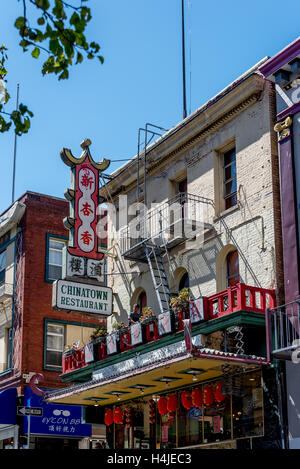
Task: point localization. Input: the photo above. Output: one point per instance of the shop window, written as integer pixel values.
(229, 179)
(247, 409)
(2, 267)
(232, 268)
(55, 342)
(55, 247)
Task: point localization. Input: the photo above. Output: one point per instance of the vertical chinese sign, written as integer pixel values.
(84, 256)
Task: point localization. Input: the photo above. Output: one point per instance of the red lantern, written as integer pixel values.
(186, 399)
(219, 396)
(197, 397)
(151, 411)
(109, 417)
(208, 395)
(118, 415)
(128, 417)
(172, 403)
(162, 406)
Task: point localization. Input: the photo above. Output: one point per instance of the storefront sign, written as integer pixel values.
(84, 199)
(57, 420)
(78, 266)
(144, 359)
(83, 297)
(136, 333)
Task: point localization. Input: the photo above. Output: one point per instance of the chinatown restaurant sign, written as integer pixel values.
(84, 297)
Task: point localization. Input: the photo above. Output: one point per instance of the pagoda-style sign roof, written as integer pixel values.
(70, 160)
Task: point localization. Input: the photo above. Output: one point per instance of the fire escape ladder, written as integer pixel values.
(159, 277)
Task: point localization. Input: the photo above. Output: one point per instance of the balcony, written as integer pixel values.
(282, 329)
(203, 311)
(169, 224)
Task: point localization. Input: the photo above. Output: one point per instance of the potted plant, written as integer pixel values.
(147, 315)
(180, 306)
(99, 334)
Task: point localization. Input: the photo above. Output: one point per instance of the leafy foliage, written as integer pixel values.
(59, 32)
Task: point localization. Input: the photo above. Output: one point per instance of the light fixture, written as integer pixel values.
(195, 378)
(118, 397)
(167, 384)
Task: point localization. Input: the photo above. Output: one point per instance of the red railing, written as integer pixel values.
(239, 297)
(73, 360)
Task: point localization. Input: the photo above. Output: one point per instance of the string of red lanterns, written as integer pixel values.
(169, 404)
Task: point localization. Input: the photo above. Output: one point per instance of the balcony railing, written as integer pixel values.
(168, 223)
(240, 297)
(282, 327)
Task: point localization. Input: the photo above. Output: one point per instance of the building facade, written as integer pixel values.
(195, 248)
(33, 335)
(283, 70)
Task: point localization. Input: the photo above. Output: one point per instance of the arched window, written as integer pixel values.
(184, 281)
(142, 300)
(232, 268)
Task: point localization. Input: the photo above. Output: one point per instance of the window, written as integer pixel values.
(184, 281)
(55, 341)
(232, 268)
(142, 301)
(55, 258)
(2, 267)
(230, 183)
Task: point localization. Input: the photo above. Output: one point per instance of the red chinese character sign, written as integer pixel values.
(83, 196)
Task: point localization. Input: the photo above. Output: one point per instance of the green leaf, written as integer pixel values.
(44, 4)
(79, 58)
(35, 53)
(20, 22)
(101, 58)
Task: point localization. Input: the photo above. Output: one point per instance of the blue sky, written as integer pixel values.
(139, 82)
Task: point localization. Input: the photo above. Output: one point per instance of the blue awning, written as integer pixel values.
(8, 406)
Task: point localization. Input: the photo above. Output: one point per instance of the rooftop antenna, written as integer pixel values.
(15, 153)
(183, 60)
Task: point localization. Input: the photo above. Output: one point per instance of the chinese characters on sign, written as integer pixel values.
(84, 198)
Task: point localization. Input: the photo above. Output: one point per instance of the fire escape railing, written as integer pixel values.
(179, 217)
(282, 328)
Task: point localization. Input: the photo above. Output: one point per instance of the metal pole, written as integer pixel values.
(183, 60)
(15, 153)
(28, 435)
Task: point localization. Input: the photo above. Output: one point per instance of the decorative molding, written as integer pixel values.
(283, 128)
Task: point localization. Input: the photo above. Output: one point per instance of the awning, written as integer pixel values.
(155, 376)
(8, 406)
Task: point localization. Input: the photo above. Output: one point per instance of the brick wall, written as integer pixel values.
(43, 215)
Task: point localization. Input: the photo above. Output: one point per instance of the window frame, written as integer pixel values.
(65, 324)
(229, 180)
(3, 271)
(48, 366)
(53, 237)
